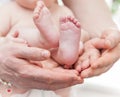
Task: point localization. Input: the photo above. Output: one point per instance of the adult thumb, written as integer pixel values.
(112, 38)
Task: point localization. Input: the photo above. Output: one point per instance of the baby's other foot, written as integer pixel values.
(68, 50)
(45, 24)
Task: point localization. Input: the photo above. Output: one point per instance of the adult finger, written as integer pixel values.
(33, 72)
(52, 79)
(85, 64)
(112, 37)
(78, 65)
(90, 72)
(112, 56)
(32, 53)
(47, 86)
(98, 43)
(53, 76)
(95, 54)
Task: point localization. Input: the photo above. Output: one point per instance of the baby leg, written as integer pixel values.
(68, 50)
(45, 24)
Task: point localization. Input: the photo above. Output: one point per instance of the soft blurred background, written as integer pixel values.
(105, 85)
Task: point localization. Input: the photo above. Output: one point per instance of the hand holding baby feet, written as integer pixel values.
(101, 65)
(97, 61)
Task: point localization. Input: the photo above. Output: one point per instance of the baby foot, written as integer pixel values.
(45, 24)
(68, 50)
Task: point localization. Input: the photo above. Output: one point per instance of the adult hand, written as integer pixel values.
(110, 46)
(102, 64)
(111, 38)
(16, 68)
